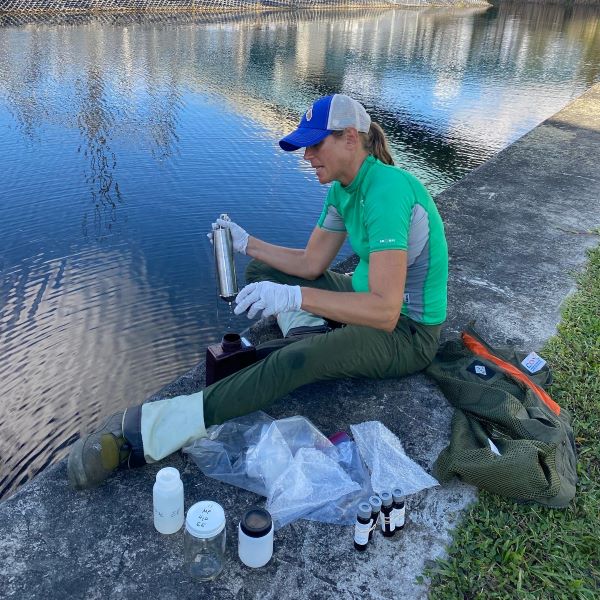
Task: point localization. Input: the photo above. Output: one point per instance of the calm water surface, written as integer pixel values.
(122, 138)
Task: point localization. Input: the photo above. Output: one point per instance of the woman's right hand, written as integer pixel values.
(239, 235)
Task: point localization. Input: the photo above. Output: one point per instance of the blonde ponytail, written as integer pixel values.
(375, 143)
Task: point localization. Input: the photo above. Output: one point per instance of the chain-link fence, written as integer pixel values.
(95, 6)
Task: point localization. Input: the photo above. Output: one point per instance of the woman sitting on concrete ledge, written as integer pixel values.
(393, 305)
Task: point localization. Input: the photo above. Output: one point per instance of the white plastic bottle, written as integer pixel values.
(255, 538)
(167, 497)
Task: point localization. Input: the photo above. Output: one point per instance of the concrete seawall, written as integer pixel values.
(518, 228)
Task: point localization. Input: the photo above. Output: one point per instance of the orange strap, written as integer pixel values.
(480, 350)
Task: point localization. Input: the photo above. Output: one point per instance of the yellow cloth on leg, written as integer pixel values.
(168, 425)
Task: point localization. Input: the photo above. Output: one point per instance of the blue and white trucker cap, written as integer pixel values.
(331, 113)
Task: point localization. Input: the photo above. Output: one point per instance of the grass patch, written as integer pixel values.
(507, 550)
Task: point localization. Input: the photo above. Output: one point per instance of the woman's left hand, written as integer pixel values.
(239, 236)
(271, 298)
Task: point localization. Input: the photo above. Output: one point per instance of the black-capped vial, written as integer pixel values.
(362, 527)
(375, 502)
(387, 525)
(398, 512)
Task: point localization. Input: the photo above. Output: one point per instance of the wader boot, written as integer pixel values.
(95, 456)
(139, 435)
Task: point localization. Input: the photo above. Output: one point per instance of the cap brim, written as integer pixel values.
(302, 137)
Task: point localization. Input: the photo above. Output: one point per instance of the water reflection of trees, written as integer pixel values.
(42, 88)
(579, 22)
(287, 67)
(21, 78)
(95, 122)
(272, 66)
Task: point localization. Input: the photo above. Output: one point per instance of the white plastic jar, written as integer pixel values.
(255, 538)
(204, 540)
(167, 496)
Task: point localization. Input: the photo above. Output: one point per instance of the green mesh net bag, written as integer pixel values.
(508, 436)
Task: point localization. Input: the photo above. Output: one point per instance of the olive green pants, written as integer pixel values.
(350, 351)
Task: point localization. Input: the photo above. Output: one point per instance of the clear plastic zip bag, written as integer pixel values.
(299, 470)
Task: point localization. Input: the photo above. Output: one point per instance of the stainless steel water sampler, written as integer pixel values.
(223, 246)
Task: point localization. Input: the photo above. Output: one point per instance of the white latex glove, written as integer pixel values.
(271, 298)
(239, 236)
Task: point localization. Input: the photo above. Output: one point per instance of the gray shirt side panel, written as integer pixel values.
(333, 221)
(418, 263)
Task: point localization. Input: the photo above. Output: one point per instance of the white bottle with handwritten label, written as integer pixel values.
(167, 497)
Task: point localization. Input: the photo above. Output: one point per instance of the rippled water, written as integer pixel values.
(123, 137)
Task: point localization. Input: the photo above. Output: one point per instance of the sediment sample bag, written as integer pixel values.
(299, 470)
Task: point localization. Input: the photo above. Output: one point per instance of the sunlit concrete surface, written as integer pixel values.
(518, 229)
